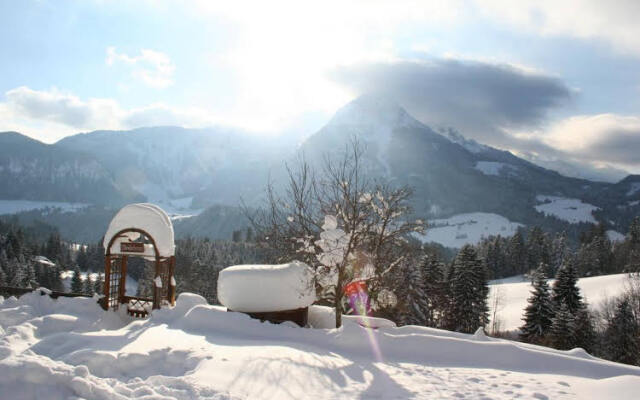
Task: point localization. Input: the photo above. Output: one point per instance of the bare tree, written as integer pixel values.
(334, 218)
(497, 304)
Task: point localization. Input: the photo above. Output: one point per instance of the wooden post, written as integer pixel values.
(156, 289)
(123, 279)
(172, 289)
(107, 278)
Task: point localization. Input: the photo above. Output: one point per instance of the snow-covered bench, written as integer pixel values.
(275, 293)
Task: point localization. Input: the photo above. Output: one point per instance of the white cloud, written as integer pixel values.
(615, 21)
(49, 115)
(153, 68)
(600, 139)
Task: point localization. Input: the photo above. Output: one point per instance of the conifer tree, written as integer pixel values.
(30, 276)
(516, 255)
(87, 286)
(76, 281)
(412, 296)
(3, 277)
(622, 336)
(563, 329)
(565, 289)
(585, 333)
(98, 284)
(18, 273)
(538, 315)
(469, 291)
(434, 288)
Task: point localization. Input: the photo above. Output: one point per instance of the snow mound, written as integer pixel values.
(470, 228)
(263, 288)
(570, 210)
(323, 317)
(71, 348)
(148, 217)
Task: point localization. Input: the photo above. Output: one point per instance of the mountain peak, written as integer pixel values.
(371, 109)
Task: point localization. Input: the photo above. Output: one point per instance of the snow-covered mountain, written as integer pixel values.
(187, 170)
(31, 170)
(453, 177)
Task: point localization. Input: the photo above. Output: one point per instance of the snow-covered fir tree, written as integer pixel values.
(585, 333)
(563, 329)
(565, 289)
(412, 296)
(98, 284)
(30, 276)
(3, 277)
(469, 290)
(87, 285)
(516, 255)
(77, 285)
(538, 315)
(434, 287)
(18, 273)
(623, 336)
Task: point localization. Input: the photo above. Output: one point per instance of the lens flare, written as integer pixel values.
(361, 305)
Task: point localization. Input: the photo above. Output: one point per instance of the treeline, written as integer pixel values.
(198, 262)
(20, 265)
(454, 296)
(560, 317)
(594, 255)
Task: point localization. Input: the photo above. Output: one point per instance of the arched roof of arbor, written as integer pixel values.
(133, 219)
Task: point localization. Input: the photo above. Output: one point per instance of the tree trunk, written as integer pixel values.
(337, 302)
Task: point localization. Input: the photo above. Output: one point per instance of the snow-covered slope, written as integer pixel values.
(467, 228)
(69, 348)
(514, 292)
(570, 210)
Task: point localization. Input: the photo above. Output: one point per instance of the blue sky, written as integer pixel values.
(553, 80)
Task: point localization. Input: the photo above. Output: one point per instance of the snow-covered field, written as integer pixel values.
(16, 206)
(513, 294)
(570, 210)
(70, 348)
(470, 228)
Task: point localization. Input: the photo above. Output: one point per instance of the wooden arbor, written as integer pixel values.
(139, 230)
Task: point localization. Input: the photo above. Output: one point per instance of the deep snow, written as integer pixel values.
(70, 348)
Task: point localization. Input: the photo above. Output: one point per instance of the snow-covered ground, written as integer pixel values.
(470, 228)
(570, 210)
(16, 206)
(70, 348)
(513, 293)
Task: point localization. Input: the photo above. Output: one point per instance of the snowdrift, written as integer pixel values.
(264, 288)
(70, 347)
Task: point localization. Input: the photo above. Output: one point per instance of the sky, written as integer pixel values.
(547, 80)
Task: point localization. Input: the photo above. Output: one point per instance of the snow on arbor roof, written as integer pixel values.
(265, 288)
(147, 217)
